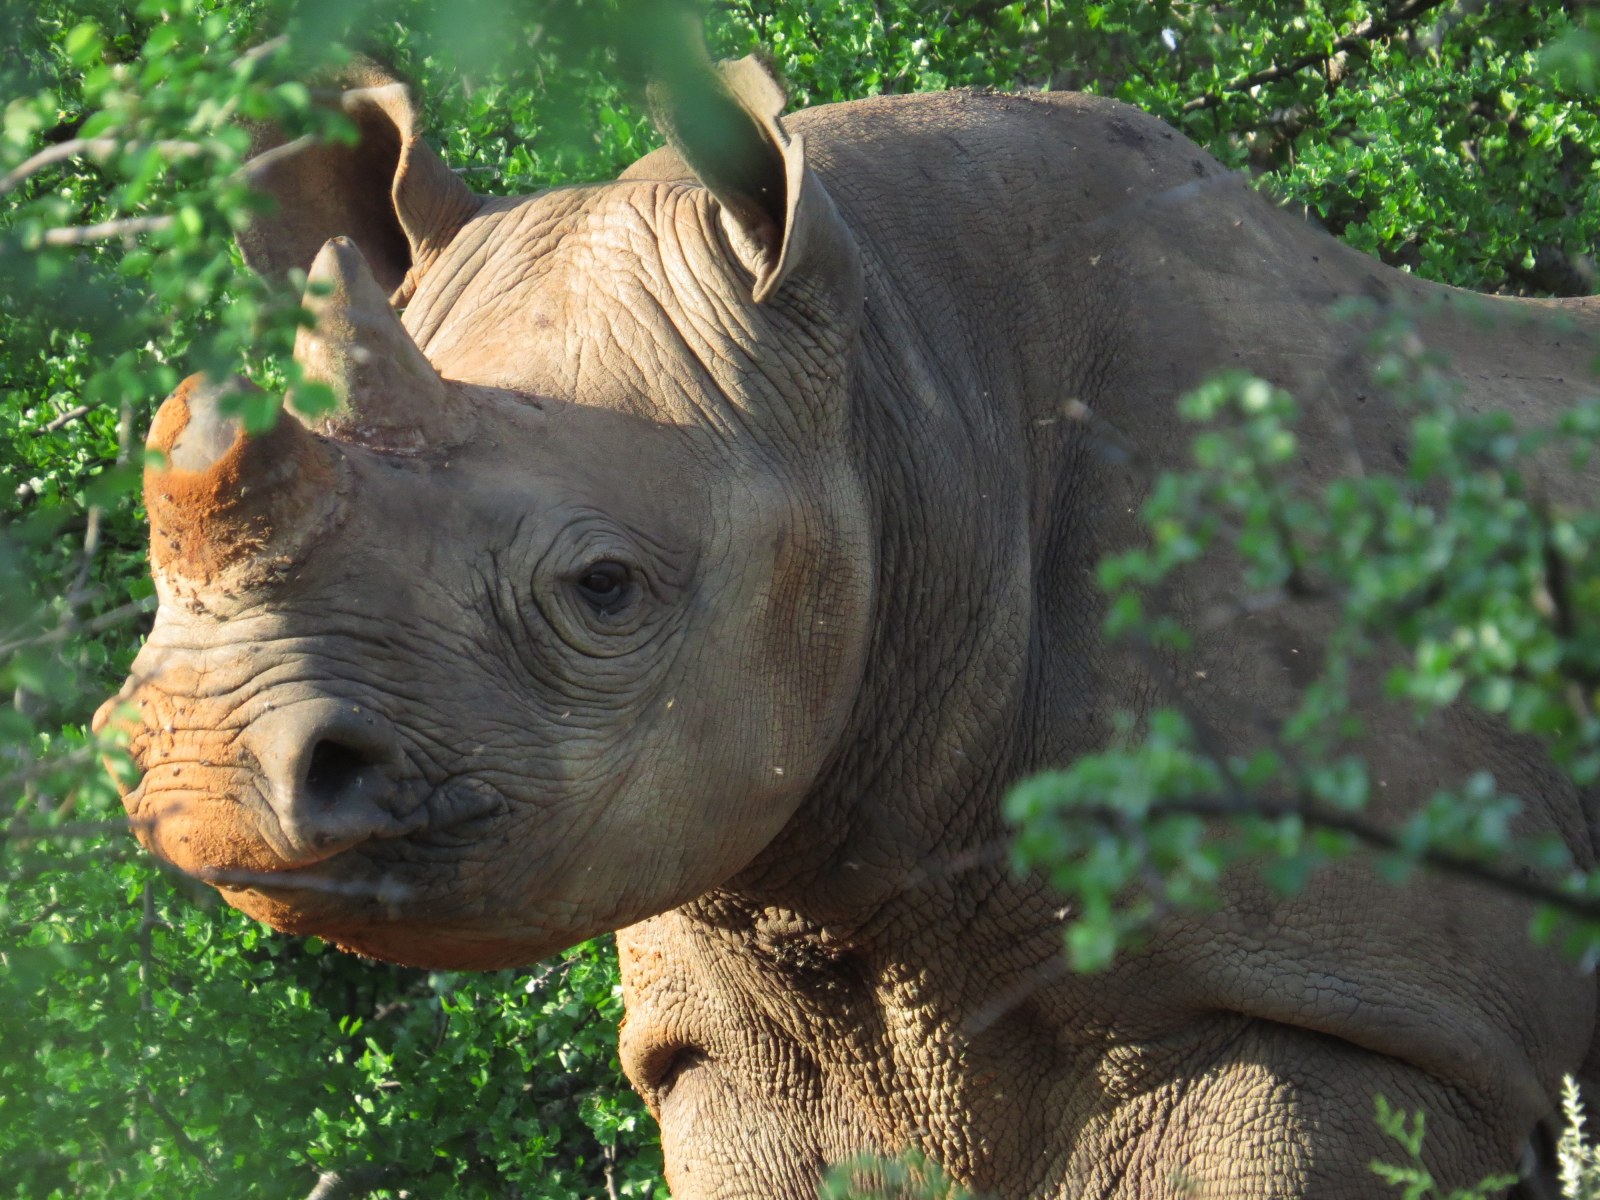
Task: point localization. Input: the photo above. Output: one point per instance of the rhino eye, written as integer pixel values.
(604, 586)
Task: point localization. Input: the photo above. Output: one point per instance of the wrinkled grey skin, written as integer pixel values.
(820, 423)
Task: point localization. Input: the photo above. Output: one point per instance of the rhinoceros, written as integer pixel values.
(702, 556)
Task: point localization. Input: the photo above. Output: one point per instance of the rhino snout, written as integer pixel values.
(330, 771)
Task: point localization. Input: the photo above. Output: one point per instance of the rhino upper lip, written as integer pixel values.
(307, 873)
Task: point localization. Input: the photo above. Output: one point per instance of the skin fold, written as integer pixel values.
(702, 555)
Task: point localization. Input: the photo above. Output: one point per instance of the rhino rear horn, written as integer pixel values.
(388, 394)
(389, 191)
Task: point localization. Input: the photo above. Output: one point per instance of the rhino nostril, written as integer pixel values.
(329, 771)
(335, 770)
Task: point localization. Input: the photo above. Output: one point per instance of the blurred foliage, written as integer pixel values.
(912, 1176)
(1577, 1156)
(153, 1042)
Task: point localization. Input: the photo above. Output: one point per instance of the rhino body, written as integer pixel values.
(724, 555)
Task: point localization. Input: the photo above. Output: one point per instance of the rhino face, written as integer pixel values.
(550, 626)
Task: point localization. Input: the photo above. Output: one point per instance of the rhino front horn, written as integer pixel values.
(219, 497)
(388, 395)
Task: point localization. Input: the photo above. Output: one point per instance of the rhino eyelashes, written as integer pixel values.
(607, 587)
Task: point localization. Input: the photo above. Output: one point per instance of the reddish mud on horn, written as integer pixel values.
(219, 497)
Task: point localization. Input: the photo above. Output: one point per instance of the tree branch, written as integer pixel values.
(13, 781)
(100, 147)
(78, 235)
(1512, 880)
(66, 629)
(610, 1155)
(66, 418)
(1375, 837)
(1369, 30)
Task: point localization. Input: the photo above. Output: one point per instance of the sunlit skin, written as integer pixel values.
(703, 555)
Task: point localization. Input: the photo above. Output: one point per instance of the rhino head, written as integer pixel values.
(553, 622)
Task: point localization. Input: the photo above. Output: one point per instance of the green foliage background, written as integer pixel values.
(154, 1043)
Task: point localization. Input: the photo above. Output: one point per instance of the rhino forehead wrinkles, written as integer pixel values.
(380, 652)
(453, 289)
(628, 304)
(519, 286)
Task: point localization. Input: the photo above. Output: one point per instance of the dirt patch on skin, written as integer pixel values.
(200, 825)
(203, 522)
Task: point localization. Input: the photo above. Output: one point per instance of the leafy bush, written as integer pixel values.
(1579, 1158)
(1461, 566)
(156, 1043)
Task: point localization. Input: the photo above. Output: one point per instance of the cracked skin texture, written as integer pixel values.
(857, 527)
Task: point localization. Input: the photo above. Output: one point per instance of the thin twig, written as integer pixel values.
(1376, 837)
(100, 147)
(178, 1134)
(256, 53)
(1370, 30)
(268, 157)
(105, 147)
(123, 227)
(14, 780)
(91, 546)
(147, 926)
(67, 628)
(66, 418)
(1241, 802)
(1052, 970)
(124, 430)
(70, 829)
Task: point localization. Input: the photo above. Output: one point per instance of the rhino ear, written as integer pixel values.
(389, 192)
(724, 123)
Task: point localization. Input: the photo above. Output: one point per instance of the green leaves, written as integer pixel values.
(1459, 572)
(1412, 1178)
(154, 1043)
(1094, 829)
(911, 1176)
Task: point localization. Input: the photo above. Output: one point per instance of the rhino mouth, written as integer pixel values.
(387, 889)
(437, 827)
(350, 888)
(404, 900)
(230, 837)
